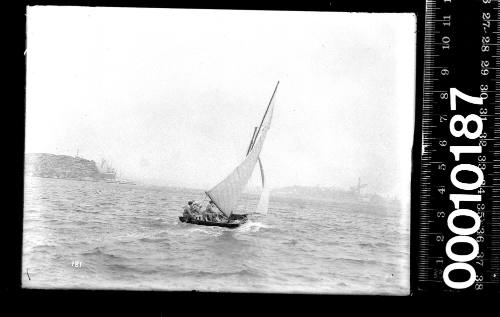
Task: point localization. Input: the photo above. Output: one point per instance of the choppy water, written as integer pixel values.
(129, 237)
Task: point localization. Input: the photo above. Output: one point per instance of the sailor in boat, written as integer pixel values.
(196, 210)
(211, 214)
(192, 211)
(188, 213)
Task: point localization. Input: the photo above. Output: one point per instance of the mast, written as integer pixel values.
(267, 109)
(252, 140)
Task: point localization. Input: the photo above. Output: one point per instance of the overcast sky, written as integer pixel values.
(171, 96)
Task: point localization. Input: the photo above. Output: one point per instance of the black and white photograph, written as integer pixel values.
(243, 151)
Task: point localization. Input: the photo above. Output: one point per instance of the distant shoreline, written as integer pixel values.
(276, 193)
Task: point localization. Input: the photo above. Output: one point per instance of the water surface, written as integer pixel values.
(129, 237)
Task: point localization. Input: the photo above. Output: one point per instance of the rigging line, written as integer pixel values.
(270, 100)
(214, 202)
(250, 146)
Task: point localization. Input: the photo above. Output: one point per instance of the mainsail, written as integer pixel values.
(226, 194)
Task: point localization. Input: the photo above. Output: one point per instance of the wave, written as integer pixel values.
(291, 242)
(240, 273)
(158, 222)
(139, 218)
(136, 202)
(359, 261)
(52, 220)
(44, 248)
(99, 252)
(374, 245)
(131, 269)
(154, 240)
(105, 204)
(86, 211)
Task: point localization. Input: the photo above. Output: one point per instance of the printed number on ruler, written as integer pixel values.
(470, 127)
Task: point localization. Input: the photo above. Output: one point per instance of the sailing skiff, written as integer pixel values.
(226, 194)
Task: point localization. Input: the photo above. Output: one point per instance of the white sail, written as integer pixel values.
(263, 203)
(226, 194)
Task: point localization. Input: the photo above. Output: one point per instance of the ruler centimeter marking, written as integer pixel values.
(462, 52)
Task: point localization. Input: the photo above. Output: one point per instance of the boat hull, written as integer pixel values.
(241, 220)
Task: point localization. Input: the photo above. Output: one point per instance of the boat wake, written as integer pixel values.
(251, 226)
(205, 230)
